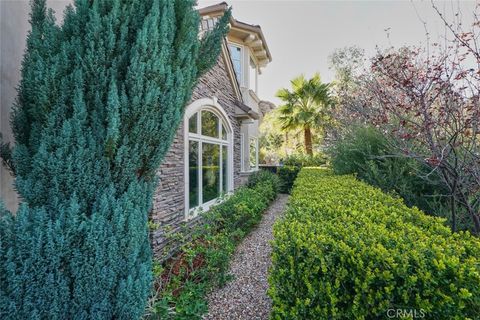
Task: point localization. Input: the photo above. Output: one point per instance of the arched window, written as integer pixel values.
(208, 155)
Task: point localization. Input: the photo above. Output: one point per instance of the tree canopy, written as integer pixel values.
(305, 106)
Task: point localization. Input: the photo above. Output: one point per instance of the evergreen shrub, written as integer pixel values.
(287, 175)
(100, 99)
(346, 250)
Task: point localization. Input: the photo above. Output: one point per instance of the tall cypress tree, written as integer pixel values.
(99, 102)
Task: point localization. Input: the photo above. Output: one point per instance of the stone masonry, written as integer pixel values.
(168, 203)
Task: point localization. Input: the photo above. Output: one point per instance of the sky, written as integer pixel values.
(302, 34)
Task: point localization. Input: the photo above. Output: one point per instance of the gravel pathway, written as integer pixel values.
(245, 297)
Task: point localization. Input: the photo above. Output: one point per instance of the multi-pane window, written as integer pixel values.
(207, 159)
(236, 55)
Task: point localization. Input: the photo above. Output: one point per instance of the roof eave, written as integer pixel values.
(220, 8)
(255, 29)
(247, 113)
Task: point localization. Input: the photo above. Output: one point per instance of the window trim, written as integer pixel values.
(245, 157)
(256, 153)
(212, 105)
(242, 152)
(242, 62)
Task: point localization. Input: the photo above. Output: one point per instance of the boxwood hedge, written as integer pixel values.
(345, 250)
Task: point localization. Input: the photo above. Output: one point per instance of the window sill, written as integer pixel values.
(197, 212)
(249, 171)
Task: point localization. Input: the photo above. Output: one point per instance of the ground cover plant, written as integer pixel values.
(100, 99)
(346, 250)
(202, 262)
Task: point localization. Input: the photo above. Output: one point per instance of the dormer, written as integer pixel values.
(249, 52)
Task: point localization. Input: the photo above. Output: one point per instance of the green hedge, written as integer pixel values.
(345, 250)
(292, 165)
(287, 175)
(202, 263)
(305, 160)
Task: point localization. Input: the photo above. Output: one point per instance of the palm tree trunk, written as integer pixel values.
(286, 143)
(308, 140)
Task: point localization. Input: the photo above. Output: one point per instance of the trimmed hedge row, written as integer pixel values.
(292, 166)
(346, 250)
(287, 175)
(305, 160)
(202, 263)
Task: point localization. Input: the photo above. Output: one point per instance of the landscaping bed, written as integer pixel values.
(346, 250)
(201, 264)
(245, 297)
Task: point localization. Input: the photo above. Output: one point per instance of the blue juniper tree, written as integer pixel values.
(99, 102)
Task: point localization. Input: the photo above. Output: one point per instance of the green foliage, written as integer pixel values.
(287, 175)
(99, 102)
(305, 104)
(293, 164)
(305, 107)
(366, 152)
(209, 47)
(202, 263)
(6, 155)
(264, 176)
(346, 250)
(305, 160)
(271, 139)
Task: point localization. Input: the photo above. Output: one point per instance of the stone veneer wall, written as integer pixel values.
(168, 203)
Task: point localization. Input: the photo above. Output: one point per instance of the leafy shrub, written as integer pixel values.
(264, 175)
(202, 263)
(305, 160)
(367, 152)
(287, 175)
(346, 250)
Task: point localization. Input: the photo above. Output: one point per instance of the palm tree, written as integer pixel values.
(305, 107)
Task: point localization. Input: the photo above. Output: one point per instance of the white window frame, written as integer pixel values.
(241, 81)
(245, 156)
(256, 153)
(242, 152)
(212, 105)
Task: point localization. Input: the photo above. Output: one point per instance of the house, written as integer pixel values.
(216, 146)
